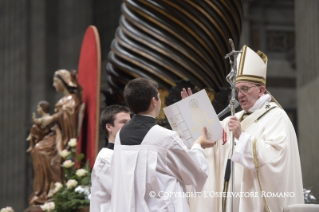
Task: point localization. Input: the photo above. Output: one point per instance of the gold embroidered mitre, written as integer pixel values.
(251, 66)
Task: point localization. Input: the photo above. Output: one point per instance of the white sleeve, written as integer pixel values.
(270, 143)
(101, 188)
(242, 152)
(188, 166)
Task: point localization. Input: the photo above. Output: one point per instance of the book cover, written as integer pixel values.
(189, 116)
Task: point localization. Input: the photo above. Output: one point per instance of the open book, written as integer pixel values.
(189, 116)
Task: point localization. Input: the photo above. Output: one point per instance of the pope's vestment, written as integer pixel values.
(153, 176)
(277, 157)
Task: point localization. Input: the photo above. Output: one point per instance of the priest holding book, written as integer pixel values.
(151, 165)
(267, 170)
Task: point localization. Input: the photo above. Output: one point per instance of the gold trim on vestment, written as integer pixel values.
(251, 78)
(257, 173)
(262, 56)
(242, 61)
(264, 114)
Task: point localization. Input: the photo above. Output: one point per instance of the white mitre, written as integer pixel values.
(251, 66)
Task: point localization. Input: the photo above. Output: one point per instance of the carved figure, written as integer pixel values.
(46, 152)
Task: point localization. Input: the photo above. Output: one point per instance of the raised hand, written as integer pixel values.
(185, 93)
(34, 118)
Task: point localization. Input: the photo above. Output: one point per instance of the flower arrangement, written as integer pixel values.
(7, 209)
(73, 194)
(48, 206)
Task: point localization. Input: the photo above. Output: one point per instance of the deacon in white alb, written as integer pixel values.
(266, 156)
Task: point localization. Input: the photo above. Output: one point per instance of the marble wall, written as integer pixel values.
(37, 38)
(307, 63)
(269, 26)
(13, 107)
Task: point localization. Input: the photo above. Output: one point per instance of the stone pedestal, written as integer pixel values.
(86, 209)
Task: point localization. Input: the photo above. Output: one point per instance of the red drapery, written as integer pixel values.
(89, 72)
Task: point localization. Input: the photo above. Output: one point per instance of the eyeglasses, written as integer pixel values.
(244, 89)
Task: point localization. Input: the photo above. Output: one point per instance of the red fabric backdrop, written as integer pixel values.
(89, 72)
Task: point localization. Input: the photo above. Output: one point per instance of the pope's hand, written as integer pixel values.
(234, 126)
(185, 93)
(202, 140)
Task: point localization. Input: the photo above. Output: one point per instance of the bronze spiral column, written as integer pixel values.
(173, 40)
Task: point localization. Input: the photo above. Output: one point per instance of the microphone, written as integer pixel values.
(227, 109)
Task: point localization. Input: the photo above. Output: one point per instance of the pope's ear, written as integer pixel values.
(262, 89)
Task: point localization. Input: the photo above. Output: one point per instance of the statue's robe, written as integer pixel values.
(46, 153)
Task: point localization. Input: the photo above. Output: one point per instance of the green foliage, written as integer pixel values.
(69, 173)
(87, 178)
(79, 157)
(68, 200)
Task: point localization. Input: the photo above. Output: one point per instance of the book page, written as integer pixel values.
(190, 115)
(178, 124)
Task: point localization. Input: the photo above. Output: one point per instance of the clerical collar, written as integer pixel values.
(264, 99)
(144, 118)
(110, 146)
(135, 130)
(145, 115)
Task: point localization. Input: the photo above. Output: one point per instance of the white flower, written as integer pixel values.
(65, 153)
(48, 206)
(51, 206)
(72, 142)
(58, 186)
(83, 190)
(81, 172)
(7, 209)
(44, 207)
(68, 164)
(71, 184)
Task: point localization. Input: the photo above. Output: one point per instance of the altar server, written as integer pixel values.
(112, 119)
(151, 165)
